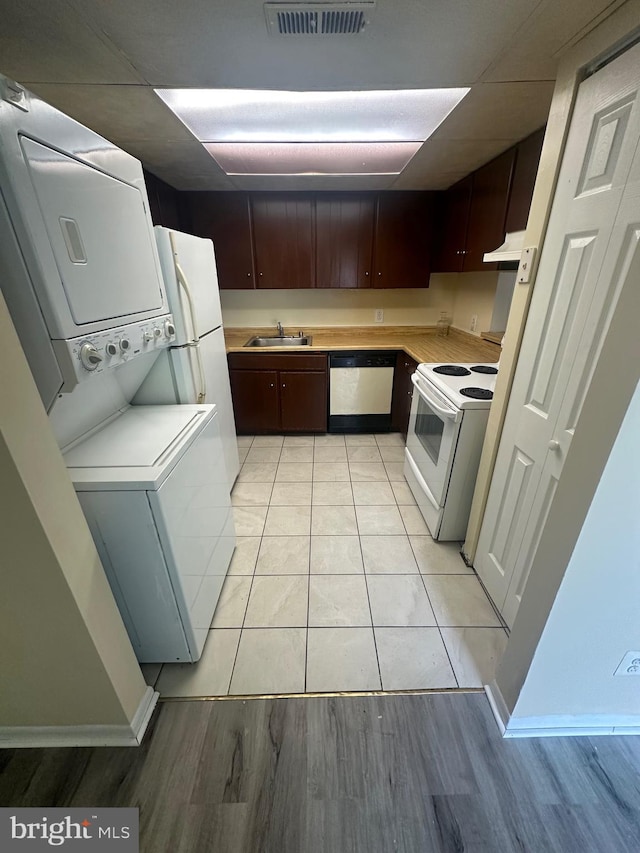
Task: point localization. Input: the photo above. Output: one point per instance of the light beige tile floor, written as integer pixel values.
(336, 584)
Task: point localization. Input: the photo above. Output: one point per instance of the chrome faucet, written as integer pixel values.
(280, 330)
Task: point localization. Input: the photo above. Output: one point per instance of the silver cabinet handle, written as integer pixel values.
(554, 445)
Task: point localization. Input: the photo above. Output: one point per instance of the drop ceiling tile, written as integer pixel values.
(533, 53)
(50, 42)
(499, 111)
(197, 43)
(446, 156)
(131, 113)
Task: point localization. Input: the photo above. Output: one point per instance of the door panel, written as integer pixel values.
(303, 399)
(590, 246)
(283, 233)
(344, 239)
(255, 400)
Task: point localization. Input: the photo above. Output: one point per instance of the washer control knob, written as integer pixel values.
(111, 349)
(125, 344)
(157, 332)
(169, 329)
(89, 356)
(148, 336)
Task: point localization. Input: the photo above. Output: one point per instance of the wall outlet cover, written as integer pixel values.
(379, 315)
(629, 665)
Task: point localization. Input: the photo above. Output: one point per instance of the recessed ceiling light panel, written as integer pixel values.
(312, 158)
(250, 115)
(264, 132)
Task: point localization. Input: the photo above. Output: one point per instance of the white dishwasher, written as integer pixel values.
(360, 390)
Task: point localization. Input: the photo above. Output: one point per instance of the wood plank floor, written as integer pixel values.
(347, 775)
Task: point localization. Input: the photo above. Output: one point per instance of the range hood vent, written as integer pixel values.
(511, 249)
(318, 19)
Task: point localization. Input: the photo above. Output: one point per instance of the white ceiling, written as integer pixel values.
(98, 60)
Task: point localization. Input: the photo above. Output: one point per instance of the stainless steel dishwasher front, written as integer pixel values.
(360, 389)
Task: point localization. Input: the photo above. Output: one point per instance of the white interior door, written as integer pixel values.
(591, 240)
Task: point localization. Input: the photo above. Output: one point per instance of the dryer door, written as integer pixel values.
(101, 240)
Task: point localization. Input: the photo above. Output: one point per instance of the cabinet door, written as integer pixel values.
(224, 218)
(344, 239)
(255, 400)
(283, 233)
(402, 392)
(488, 211)
(164, 203)
(524, 178)
(403, 239)
(452, 214)
(303, 399)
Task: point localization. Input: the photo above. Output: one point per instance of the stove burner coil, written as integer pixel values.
(452, 370)
(484, 368)
(477, 393)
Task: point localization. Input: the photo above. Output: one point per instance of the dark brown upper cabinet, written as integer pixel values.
(524, 178)
(283, 238)
(344, 239)
(452, 220)
(224, 217)
(403, 239)
(165, 203)
(488, 211)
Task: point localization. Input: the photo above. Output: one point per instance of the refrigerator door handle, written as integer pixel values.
(182, 280)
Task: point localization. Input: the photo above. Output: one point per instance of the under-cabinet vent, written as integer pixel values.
(318, 19)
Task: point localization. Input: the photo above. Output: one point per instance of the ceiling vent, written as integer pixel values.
(318, 19)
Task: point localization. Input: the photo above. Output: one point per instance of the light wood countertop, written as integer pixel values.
(422, 343)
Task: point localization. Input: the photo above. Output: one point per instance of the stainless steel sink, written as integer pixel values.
(280, 341)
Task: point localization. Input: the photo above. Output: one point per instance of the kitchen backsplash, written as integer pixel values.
(461, 296)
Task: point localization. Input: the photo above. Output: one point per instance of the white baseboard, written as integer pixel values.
(15, 737)
(498, 706)
(587, 725)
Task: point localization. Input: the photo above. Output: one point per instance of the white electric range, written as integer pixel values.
(448, 420)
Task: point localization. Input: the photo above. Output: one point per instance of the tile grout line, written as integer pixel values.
(244, 617)
(364, 571)
(235, 657)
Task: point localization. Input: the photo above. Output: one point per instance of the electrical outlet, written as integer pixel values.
(379, 315)
(474, 323)
(629, 665)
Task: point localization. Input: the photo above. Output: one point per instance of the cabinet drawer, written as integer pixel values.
(277, 361)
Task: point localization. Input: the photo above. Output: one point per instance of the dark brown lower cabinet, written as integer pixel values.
(402, 392)
(255, 400)
(279, 392)
(303, 400)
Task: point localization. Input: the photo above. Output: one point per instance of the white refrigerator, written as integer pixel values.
(194, 369)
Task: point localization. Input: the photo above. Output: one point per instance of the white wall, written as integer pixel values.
(595, 617)
(460, 296)
(65, 657)
(410, 307)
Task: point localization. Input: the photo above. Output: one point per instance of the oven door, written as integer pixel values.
(432, 436)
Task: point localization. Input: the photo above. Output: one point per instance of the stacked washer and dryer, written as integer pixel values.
(83, 282)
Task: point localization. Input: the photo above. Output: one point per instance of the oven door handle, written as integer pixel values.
(453, 414)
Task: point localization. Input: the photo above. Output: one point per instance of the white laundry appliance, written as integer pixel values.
(78, 261)
(153, 487)
(81, 276)
(194, 369)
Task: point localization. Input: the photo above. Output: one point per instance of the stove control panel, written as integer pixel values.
(84, 357)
